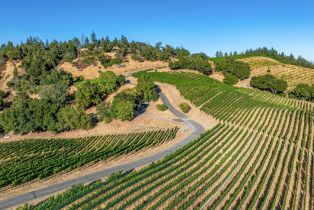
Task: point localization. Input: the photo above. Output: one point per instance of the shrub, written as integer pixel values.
(87, 94)
(304, 92)
(73, 118)
(237, 68)
(2, 96)
(197, 62)
(269, 83)
(146, 87)
(123, 106)
(104, 112)
(161, 107)
(230, 79)
(185, 107)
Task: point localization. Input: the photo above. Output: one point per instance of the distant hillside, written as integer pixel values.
(291, 73)
(270, 53)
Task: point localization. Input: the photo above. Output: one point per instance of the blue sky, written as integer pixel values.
(199, 25)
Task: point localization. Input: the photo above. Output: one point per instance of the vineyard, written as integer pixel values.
(260, 156)
(26, 160)
(293, 74)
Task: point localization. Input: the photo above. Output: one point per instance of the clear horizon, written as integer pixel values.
(200, 26)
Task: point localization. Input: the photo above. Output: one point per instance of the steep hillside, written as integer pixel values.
(128, 66)
(292, 74)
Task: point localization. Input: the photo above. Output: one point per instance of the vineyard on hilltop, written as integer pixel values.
(260, 156)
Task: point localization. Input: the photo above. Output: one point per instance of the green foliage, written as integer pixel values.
(46, 157)
(185, 107)
(161, 107)
(56, 94)
(270, 83)
(197, 62)
(146, 87)
(92, 92)
(88, 94)
(70, 118)
(104, 112)
(57, 77)
(230, 79)
(123, 106)
(107, 62)
(2, 96)
(108, 82)
(26, 115)
(304, 92)
(237, 68)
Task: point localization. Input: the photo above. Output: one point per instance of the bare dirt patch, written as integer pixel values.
(6, 74)
(217, 76)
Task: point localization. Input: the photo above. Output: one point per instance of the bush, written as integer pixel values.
(123, 106)
(230, 79)
(73, 118)
(146, 87)
(107, 62)
(104, 112)
(185, 107)
(88, 94)
(197, 62)
(304, 92)
(269, 83)
(237, 68)
(2, 96)
(161, 107)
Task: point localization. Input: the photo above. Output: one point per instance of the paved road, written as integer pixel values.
(196, 128)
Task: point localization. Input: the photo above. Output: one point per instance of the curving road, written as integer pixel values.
(196, 128)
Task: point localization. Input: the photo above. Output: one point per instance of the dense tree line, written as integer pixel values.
(53, 111)
(229, 65)
(271, 53)
(197, 62)
(47, 114)
(269, 83)
(42, 101)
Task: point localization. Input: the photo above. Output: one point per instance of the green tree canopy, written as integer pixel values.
(269, 83)
(70, 118)
(146, 87)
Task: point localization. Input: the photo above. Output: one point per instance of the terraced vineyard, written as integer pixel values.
(23, 161)
(260, 156)
(293, 74)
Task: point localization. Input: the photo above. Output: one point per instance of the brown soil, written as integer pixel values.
(217, 76)
(6, 74)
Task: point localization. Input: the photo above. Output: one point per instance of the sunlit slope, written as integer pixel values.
(294, 75)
